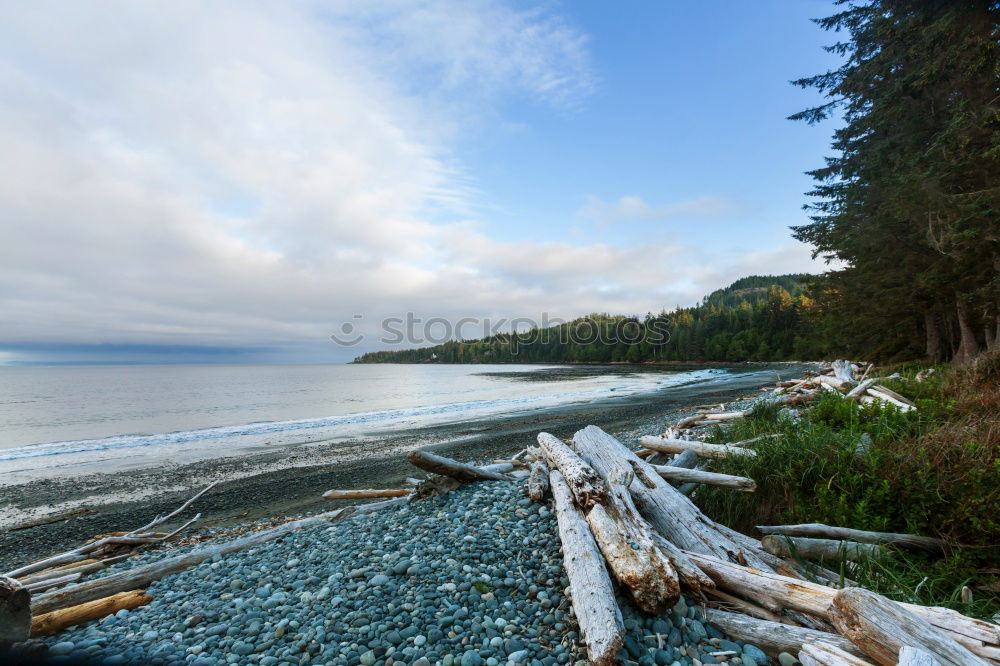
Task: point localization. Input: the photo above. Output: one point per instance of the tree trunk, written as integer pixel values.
(436, 464)
(773, 637)
(673, 515)
(56, 621)
(15, 612)
(968, 347)
(821, 550)
(822, 531)
(582, 479)
(881, 627)
(590, 586)
(933, 331)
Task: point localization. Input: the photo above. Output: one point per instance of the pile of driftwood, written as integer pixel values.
(839, 377)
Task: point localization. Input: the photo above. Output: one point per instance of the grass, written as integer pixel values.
(934, 471)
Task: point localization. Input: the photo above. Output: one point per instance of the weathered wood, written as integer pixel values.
(881, 627)
(702, 449)
(822, 531)
(773, 637)
(538, 481)
(885, 395)
(141, 576)
(15, 612)
(49, 583)
(824, 653)
(822, 550)
(582, 479)
(671, 514)
(54, 622)
(861, 388)
(843, 370)
(436, 464)
(366, 493)
(694, 580)
(723, 416)
(686, 458)
(911, 656)
(682, 475)
(591, 591)
(729, 602)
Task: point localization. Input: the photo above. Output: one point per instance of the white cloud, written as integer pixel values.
(631, 207)
(244, 173)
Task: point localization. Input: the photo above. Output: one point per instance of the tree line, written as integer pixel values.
(909, 203)
(762, 318)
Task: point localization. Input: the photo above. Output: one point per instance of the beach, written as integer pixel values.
(289, 480)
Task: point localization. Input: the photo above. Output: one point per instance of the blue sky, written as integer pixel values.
(235, 181)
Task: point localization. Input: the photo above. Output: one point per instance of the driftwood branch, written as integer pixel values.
(367, 493)
(773, 637)
(430, 462)
(682, 475)
(54, 622)
(820, 549)
(702, 449)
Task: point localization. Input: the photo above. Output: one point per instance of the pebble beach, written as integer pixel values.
(471, 578)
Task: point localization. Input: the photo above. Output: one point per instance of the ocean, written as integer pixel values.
(110, 417)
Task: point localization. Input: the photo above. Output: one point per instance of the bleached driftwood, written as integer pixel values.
(861, 388)
(15, 612)
(820, 549)
(911, 656)
(682, 475)
(723, 416)
(673, 515)
(728, 602)
(824, 653)
(582, 479)
(50, 583)
(141, 576)
(137, 537)
(366, 493)
(777, 592)
(773, 637)
(885, 395)
(538, 481)
(435, 464)
(843, 370)
(54, 622)
(881, 627)
(822, 531)
(591, 591)
(702, 449)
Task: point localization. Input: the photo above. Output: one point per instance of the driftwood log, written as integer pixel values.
(824, 653)
(674, 516)
(911, 656)
(773, 637)
(430, 462)
(821, 531)
(366, 493)
(682, 475)
(820, 549)
(538, 481)
(55, 621)
(701, 449)
(582, 479)
(591, 591)
(881, 627)
(15, 612)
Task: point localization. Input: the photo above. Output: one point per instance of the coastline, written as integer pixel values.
(289, 481)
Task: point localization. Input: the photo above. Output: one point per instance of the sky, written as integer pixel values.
(238, 181)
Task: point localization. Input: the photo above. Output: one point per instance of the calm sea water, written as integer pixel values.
(81, 416)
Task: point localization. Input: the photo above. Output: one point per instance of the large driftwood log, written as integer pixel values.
(682, 475)
(881, 627)
(822, 531)
(700, 448)
(582, 479)
(776, 593)
(430, 462)
(141, 576)
(824, 653)
(54, 622)
(591, 591)
(911, 656)
(538, 481)
(773, 637)
(820, 549)
(366, 493)
(15, 612)
(673, 515)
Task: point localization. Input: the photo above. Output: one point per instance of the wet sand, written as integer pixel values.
(289, 481)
